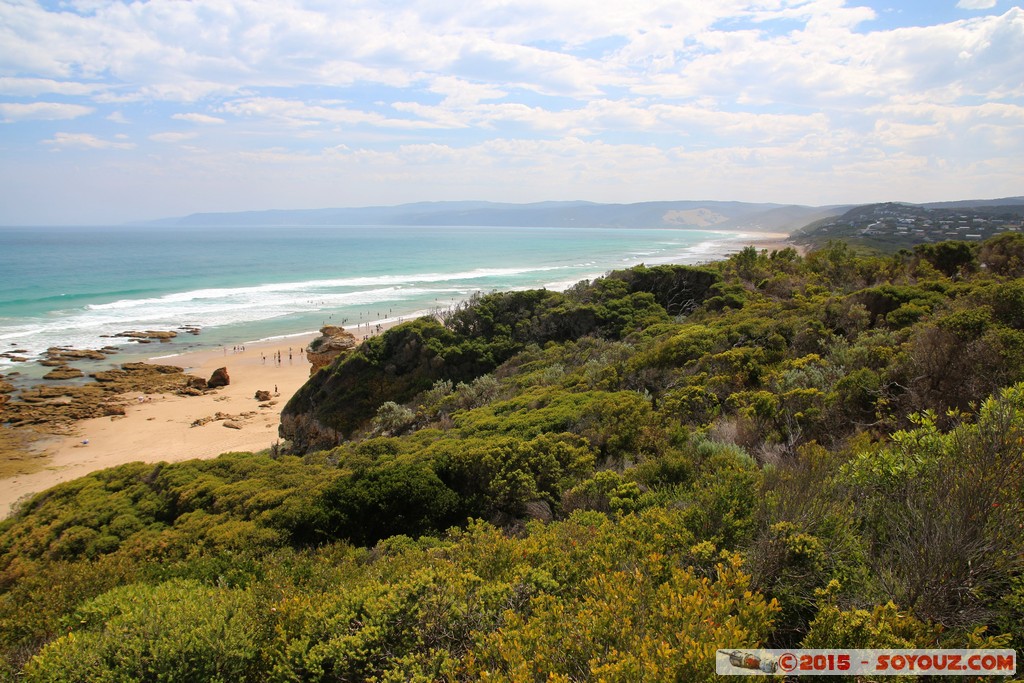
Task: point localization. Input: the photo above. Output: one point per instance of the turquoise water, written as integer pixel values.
(71, 285)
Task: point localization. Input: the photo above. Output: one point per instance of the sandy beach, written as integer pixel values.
(770, 241)
(159, 427)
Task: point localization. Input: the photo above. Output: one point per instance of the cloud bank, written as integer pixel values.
(240, 104)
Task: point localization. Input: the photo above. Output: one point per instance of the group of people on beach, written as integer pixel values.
(277, 357)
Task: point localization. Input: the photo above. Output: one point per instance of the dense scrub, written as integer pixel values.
(603, 484)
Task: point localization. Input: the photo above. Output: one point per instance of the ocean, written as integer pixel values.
(74, 286)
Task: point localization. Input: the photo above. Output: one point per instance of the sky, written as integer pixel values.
(119, 111)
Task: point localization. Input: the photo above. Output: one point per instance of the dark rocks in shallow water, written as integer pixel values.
(219, 378)
(64, 372)
(147, 336)
(56, 407)
(65, 353)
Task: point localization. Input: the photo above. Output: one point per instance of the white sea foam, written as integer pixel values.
(258, 292)
(302, 304)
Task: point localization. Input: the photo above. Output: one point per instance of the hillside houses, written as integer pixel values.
(897, 225)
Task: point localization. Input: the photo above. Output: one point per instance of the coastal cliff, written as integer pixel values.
(474, 340)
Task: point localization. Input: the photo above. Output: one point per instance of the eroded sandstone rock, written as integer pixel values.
(332, 343)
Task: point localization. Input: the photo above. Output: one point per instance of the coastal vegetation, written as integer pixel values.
(606, 483)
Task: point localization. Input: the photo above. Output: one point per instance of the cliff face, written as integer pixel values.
(392, 367)
(474, 340)
(332, 343)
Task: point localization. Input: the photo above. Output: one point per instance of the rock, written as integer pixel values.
(197, 383)
(54, 408)
(64, 353)
(64, 372)
(262, 395)
(108, 375)
(219, 378)
(149, 368)
(333, 342)
(162, 335)
(230, 421)
(6, 387)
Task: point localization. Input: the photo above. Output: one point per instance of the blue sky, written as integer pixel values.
(117, 111)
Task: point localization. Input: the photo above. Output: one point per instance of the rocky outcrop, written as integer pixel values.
(5, 389)
(229, 421)
(219, 378)
(404, 361)
(64, 354)
(55, 408)
(146, 336)
(64, 372)
(332, 343)
(263, 395)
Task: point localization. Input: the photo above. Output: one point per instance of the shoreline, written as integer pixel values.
(159, 427)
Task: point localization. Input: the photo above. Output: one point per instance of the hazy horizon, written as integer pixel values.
(115, 113)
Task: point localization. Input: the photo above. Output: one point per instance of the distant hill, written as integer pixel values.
(976, 203)
(891, 226)
(669, 214)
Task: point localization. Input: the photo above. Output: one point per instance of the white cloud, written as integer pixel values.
(171, 137)
(198, 118)
(42, 111)
(976, 4)
(621, 100)
(31, 87)
(297, 113)
(84, 141)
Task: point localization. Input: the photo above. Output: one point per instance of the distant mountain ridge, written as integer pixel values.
(693, 214)
(665, 214)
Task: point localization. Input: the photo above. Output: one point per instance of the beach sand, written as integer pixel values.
(159, 427)
(771, 241)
